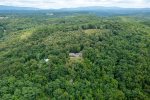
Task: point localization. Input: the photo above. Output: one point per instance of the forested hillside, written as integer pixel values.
(35, 61)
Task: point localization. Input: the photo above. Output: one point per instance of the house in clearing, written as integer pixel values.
(75, 54)
(75, 57)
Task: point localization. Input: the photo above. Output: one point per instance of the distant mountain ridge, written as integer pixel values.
(93, 8)
(88, 8)
(2, 7)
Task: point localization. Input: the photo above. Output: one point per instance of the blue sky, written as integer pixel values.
(46, 4)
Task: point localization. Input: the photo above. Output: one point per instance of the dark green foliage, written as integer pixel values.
(115, 62)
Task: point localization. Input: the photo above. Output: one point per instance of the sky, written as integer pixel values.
(56, 4)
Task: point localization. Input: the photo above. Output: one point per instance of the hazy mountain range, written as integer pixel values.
(98, 10)
(92, 8)
(2, 7)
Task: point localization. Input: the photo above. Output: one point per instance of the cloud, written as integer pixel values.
(76, 3)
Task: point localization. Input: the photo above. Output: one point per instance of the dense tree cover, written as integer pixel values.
(115, 63)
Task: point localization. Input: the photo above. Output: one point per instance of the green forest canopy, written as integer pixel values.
(114, 65)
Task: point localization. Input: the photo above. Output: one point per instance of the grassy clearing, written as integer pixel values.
(91, 31)
(25, 35)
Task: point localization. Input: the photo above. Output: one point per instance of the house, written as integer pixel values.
(75, 54)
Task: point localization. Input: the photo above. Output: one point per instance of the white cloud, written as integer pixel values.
(76, 3)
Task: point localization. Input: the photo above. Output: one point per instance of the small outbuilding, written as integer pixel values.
(46, 60)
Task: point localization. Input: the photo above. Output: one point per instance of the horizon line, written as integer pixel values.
(76, 7)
